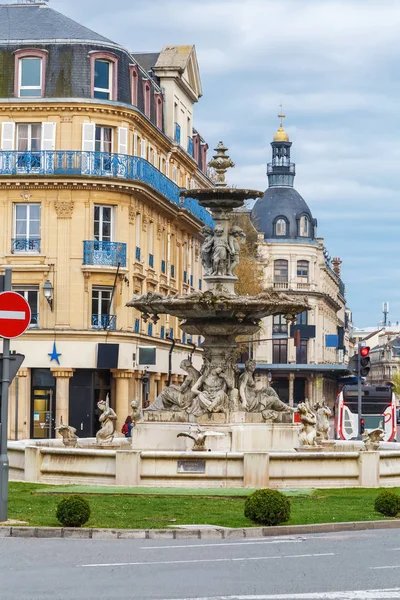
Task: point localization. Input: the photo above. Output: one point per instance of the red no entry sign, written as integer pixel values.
(15, 315)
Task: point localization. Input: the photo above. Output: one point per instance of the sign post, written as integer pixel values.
(15, 316)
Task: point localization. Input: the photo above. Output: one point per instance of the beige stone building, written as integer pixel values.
(95, 144)
(296, 260)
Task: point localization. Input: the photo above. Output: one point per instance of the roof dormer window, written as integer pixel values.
(30, 70)
(104, 75)
(304, 226)
(280, 227)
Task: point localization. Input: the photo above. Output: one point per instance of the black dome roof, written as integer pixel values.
(283, 202)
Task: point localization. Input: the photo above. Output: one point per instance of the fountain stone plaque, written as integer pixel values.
(191, 465)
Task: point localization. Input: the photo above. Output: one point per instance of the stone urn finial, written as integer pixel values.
(221, 162)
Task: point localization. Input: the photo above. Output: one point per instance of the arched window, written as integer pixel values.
(302, 268)
(104, 70)
(304, 226)
(281, 271)
(30, 73)
(280, 227)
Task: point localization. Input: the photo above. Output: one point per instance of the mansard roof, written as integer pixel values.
(39, 23)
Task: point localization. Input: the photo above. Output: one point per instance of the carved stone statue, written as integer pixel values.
(372, 439)
(220, 253)
(137, 413)
(236, 236)
(68, 434)
(199, 437)
(323, 413)
(212, 390)
(176, 397)
(264, 400)
(206, 249)
(108, 421)
(308, 431)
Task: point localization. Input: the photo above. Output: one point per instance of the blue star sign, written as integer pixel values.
(54, 355)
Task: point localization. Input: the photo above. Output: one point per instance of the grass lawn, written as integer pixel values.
(137, 508)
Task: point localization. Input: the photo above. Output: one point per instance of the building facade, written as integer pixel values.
(295, 260)
(95, 145)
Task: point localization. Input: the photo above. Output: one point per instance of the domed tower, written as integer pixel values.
(282, 212)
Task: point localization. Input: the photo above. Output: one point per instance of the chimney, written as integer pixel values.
(336, 264)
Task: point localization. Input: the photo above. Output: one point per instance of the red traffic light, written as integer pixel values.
(364, 351)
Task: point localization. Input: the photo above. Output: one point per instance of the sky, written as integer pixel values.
(334, 65)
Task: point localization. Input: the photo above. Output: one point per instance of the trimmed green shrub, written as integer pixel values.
(268, 507)
(388, 503)
(73, 511)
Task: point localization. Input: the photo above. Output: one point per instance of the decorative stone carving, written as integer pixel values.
(308, 431)
(372, 439)
(220, 162)
(137, 413)
(264, 400)
(200, 437)
(26, 196)
(207, 249)
(235, 238)
(108, 421)
(64, 208)
(132, 214)
(212, 389)
(323, 412)
(68, 434)
(175, 397)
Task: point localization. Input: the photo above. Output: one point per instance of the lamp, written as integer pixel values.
(48, 293)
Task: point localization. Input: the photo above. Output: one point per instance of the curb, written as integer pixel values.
(199, 534)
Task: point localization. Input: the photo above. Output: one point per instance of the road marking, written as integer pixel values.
(387, 567)
(350, 595)
(222, 544)
(13, 314)
(205, 560)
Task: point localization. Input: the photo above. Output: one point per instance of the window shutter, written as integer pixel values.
(135, 144)
(48, 136)
(155, 158)
(7, 135)
(143, 149)
(88, 137)
(122, 140)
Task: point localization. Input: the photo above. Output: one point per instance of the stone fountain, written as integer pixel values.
(214, 395)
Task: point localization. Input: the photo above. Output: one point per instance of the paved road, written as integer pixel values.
(359, 564)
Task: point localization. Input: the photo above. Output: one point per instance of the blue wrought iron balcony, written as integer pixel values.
(109, 254)
(98, 164)
(106, 322)
(177, 133)
(25, 245)
(190, 146)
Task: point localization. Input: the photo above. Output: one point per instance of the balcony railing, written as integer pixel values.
(106, 322)
(177, 133)
(96, 252)
(97, 164)
(190, 146)
(25, 245)
(281, 285)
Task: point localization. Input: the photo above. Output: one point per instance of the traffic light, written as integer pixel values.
(362, 426)
(364, 361)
